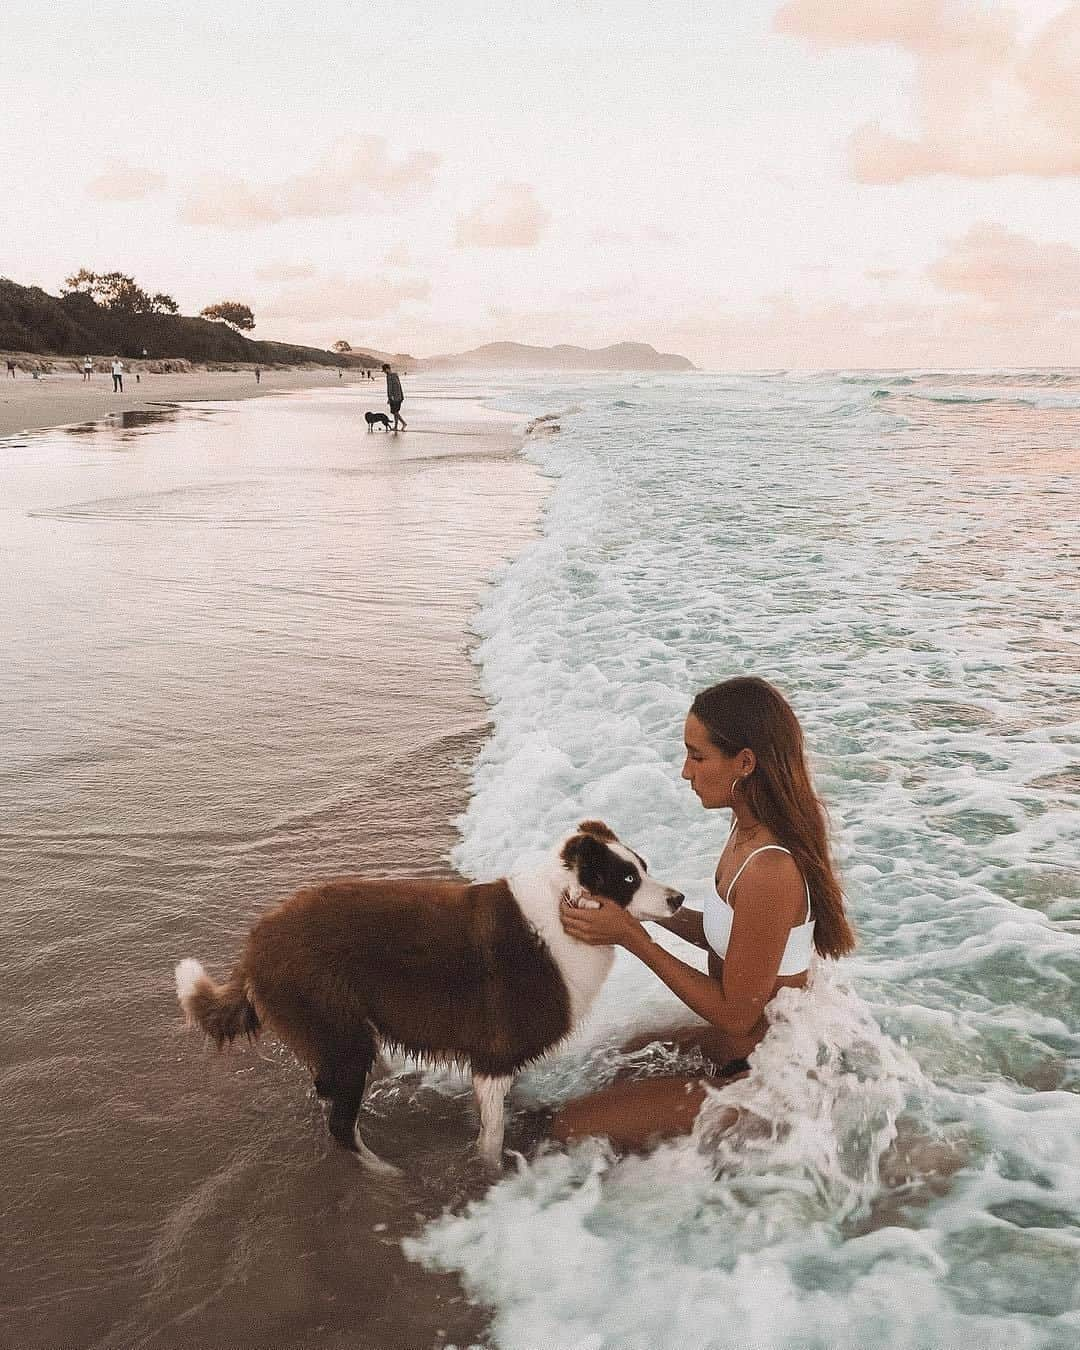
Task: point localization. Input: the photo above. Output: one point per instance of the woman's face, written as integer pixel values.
(709, 770)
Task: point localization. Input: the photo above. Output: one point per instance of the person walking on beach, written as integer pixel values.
(117, 376)
(258, 375)
(87, 369)
(775, 900)
(394, 397)
(11, 369)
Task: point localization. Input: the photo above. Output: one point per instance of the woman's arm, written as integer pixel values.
(770, 897)
(689, 924)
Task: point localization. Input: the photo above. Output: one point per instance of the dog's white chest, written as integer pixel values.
(583, 968)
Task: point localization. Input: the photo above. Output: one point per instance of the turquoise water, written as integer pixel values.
(899, 553)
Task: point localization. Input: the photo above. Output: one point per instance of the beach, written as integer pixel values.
(249, 643)
(237, 653)
(64, 397)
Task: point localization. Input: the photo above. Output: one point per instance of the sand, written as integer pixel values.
(64, 398)
(236, 655)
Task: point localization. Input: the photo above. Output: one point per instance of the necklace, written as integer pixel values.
(745, 833)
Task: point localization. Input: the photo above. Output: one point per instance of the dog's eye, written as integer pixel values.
(630, 878)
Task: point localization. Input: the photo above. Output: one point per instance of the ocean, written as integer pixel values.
(226, 674)
(899, 553)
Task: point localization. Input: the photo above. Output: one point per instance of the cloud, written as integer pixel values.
(513, 218)
(285, 272)
(1010, 274)
(357, 174)
(121, 182)
(341, 300)
(987, 103)
(230, 203)
(1006, 301)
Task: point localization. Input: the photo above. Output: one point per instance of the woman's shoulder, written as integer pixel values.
(771, 875)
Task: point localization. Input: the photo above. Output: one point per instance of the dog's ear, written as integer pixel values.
(597, 829)
(585, 855)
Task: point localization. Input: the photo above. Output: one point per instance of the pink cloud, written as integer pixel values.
(285, 272)
(1008, 301)
(513, 218)
(121, 182)
(357, 174)
(1009, 272)
(230, 203)
(986, 103)
(341, 300)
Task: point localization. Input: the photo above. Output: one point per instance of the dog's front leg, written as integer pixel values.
(491, 1099)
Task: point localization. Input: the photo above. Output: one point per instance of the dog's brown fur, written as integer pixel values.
(445, 971)
(335, 969)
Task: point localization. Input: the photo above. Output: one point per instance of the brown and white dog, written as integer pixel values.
(481, 975)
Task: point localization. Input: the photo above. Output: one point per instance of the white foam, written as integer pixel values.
(906, 1170)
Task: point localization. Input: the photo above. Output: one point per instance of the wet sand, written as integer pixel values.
(63, 398)
(236, 652)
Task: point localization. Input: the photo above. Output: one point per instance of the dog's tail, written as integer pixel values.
(222, 1011)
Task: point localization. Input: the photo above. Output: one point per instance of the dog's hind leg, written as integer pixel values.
(342, 1078)
(491, 1099)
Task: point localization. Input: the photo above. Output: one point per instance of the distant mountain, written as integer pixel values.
(368, 356)
(518, 356)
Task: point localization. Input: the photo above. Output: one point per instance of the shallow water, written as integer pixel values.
(234, 659)
(226, 673)
(899, 553)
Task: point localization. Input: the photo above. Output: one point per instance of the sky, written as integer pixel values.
(750, 183)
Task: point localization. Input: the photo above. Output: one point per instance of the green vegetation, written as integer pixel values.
(119, 293)
(232, 312)
(109, 314)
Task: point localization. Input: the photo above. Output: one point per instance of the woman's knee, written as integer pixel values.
(571, 1121)
(633, 1114)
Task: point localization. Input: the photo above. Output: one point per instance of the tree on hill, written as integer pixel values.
(342, 346)
(232, 312)
(118, 292)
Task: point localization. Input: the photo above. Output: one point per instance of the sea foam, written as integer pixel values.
(906, 1166)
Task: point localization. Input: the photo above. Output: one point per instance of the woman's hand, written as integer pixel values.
(605, 925)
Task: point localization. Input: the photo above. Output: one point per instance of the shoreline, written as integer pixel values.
(57, 400)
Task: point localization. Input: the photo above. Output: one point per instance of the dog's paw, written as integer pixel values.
(371, 1162)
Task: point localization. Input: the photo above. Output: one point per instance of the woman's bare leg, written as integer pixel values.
(634, 1115)
(710, 1040)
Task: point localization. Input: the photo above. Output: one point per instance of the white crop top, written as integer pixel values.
(718, 916)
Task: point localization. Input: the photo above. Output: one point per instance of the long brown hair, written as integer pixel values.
(748, 713)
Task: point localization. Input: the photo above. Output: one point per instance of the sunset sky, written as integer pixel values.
(756, 183)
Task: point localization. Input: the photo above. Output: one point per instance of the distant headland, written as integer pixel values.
(518, 356)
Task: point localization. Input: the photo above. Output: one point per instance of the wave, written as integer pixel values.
(907, 1150)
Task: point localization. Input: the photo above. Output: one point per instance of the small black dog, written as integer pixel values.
(372, 418)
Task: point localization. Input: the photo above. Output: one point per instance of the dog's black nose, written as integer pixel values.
(676, 900)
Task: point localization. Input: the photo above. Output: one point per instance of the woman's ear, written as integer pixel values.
(747, 762)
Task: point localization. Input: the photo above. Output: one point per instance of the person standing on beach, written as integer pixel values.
(87, 369)
(258, 375)
(117, 376)
(11, 369)
(394, 397)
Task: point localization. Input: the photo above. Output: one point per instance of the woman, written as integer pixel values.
(776, 897)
